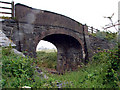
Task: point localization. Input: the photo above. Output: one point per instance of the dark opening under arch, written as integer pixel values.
(69, 51)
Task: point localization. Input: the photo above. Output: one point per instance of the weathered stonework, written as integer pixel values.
(71, 38)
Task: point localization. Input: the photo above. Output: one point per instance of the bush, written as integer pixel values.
(112, 75)
(16, 70)
(110, 36)
(111, 69)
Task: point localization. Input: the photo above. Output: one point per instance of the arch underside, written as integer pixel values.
(69, 54)
(68, 43)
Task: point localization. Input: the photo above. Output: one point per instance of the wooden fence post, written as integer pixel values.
(92, 29)
(13, 13)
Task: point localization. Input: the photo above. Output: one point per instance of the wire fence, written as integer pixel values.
(92, 30)
(12, 13)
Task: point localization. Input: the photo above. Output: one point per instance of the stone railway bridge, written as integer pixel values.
(74, 44)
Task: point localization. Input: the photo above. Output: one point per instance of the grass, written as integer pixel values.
(47, 50)
(102, 72)
(48, 60)
(86, 77)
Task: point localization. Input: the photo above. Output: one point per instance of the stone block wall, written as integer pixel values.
(71, 38)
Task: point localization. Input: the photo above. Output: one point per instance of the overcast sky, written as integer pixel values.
(90, 12)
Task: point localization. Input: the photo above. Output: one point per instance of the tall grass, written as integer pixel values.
(102, 72)
(48, 60)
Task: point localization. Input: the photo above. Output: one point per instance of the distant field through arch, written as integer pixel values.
(46, 46)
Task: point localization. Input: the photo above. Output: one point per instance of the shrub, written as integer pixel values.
(16, 70)
(110, 36)
(111, 62)
(112, 75)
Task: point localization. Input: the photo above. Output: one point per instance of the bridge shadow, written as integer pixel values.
(69, 51)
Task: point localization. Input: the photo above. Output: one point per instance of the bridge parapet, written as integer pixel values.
(42, 17)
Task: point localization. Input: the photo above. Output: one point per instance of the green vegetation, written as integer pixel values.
(5, 17)
(47, 50)
(110, 36)
(16, 70)
(20, 71)
(102, 72)
(48, 60)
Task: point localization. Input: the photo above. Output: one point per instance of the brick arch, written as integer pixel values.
(36, 24)
(71, 53)
(51, 32)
